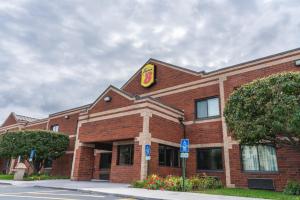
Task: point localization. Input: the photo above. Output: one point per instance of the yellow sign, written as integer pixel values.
(148, 75)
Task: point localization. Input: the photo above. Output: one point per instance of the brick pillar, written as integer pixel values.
(84, 163)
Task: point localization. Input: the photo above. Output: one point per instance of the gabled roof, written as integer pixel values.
(21, 118)
(112, 88)
(214, 72)
(152, 60)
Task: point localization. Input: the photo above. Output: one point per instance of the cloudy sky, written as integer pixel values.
(59, 54)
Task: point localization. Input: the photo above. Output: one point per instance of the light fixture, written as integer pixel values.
(67, 116)
(107, 99)
(297, 62)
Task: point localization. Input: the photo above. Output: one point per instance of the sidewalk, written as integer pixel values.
(119, 189)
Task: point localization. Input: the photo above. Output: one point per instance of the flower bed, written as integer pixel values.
(175, 183)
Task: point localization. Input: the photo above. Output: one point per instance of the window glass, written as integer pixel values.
(125, 154)
(208, 108)
(267, 158)
(213, 107)
(168, 156)
(209, 159)
(250, 158)
(259, 158)
(202, 109)
(55, 128)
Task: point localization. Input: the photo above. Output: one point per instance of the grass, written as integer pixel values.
(32, 177)
(6, 177)
(43, 177)
(251, 193)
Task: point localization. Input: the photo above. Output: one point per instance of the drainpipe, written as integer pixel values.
(183, 127)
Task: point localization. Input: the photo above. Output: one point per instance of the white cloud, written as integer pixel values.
(59, 54)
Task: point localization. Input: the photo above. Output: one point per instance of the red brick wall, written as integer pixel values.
(117, 101)
(42, 126)
(129, 173)
(9, 121)
(63, 165)
(165, 77)
(210, 132)
(120, 128)
(84, 164)
(186, 100)
(165, 129)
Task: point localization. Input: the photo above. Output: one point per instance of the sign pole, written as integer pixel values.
(184, 154)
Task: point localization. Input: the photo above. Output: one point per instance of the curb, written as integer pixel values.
(5, 183)
(95, 192)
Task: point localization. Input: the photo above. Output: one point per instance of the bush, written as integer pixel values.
(204, 183)
(175, 183)
(139, 184)
(292, 188)
(154, 182)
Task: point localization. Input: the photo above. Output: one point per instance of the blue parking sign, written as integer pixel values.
(148, 151)
(184, 146)
(32, 154)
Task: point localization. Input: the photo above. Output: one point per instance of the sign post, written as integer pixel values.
(184, 154)
(148, 156)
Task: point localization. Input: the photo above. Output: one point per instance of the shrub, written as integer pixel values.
(292, 188)
(175, 183)
(154, 182)
(203, 183)
(139, 184)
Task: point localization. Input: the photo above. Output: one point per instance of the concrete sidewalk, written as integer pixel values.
(119, 189)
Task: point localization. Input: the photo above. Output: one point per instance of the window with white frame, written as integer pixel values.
(207, 108)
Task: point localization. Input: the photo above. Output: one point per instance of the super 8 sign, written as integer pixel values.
(148, 75)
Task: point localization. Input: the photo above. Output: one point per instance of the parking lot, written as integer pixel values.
(17, 193)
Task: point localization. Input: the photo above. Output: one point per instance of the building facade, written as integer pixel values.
(160, 105)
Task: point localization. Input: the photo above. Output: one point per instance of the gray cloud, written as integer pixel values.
(63, 53)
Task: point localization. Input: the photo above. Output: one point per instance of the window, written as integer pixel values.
(208, 108)
(48, 163)
(209, 159)
(259, 158)
(125, 154)
(55, 128)
(168, 156)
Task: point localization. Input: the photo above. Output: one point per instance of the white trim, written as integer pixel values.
(225, 135)
(203, 121)
(165, 142)
(208, 145)
(123, 142)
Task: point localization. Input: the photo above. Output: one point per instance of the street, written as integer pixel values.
(17, 193)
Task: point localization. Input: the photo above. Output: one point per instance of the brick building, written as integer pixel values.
(159, 105)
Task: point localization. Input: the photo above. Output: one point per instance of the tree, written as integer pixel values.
(266, 110)
(48, 145)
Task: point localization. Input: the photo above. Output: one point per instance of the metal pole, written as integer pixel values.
(183, 174)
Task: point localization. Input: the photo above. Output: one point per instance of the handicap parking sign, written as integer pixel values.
(148, 151)
(184, 146)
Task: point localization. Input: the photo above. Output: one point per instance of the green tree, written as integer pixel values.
(266, 110)
(47, 144)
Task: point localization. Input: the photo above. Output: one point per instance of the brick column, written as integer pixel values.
(84, 162)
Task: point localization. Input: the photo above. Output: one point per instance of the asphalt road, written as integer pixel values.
(17, 193)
